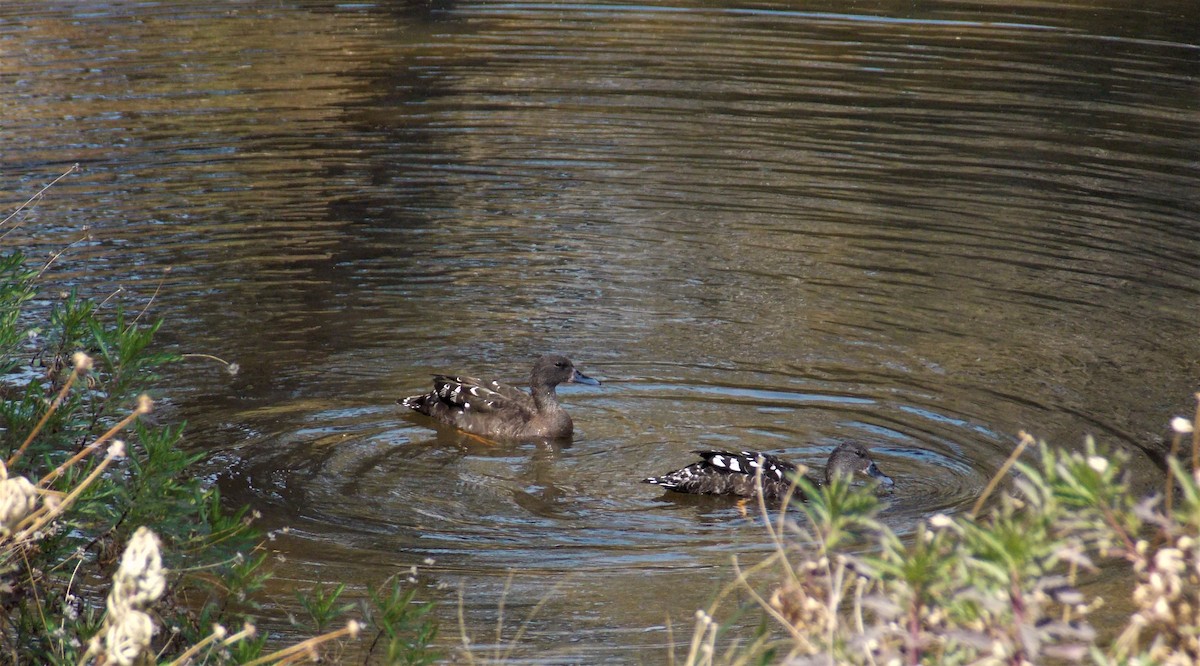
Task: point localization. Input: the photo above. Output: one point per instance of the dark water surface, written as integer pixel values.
(765, 225)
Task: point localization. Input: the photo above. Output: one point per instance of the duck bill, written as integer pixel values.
(578, 377)
(883, 479)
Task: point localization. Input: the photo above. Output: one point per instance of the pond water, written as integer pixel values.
(763, 225)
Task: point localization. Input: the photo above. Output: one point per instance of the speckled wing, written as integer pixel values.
(459, 401)
(725, 473)
(473, 395)
(746, 462)
(507, 391)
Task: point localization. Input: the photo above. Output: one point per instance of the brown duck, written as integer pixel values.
(500, 411)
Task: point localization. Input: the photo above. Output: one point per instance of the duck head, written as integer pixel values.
(554, 369)
(853, 459)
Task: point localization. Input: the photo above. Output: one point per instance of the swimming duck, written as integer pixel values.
(500, 411)
(725, 473)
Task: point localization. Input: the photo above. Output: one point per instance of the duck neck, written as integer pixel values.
(544, 397)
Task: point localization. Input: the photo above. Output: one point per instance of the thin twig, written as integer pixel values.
(35, 197)
(703, 621)
(500, 615)
(294, 651)
(153, 296)
(40, 521)
(231, 367)
(462, 629)
(37, 600)
(187, 655)
(670, 641)
(1196, 438)
(54, 257)
(90, 448)
(1169, 491)
(741, 577)
(1026, 440)
(75, 372)
(532, 614)
(111, 296)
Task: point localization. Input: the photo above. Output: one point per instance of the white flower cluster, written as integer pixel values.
(1168, 598)
(139, 582)
(803, 601)
(140, 579)
(18, 499)
(128, 638)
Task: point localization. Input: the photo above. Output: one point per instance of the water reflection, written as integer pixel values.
(924, 229)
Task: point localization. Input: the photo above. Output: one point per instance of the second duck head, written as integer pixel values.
(854, 460)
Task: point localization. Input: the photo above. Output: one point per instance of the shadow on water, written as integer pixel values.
(924, 229)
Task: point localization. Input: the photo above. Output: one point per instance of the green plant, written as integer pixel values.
(77, 494)
(402, 625)
(90, 493)
(322, 606)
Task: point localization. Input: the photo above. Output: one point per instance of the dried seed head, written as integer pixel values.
(140, 579)
(1181, 425)
(128, 637)
(81, 361)
(18, 498)
(1169, 560)
(802, 606)
(1162, 610)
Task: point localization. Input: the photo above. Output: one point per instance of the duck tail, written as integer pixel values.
(418, 403)
(671, 480)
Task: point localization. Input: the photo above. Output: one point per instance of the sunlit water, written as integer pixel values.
(762, 228)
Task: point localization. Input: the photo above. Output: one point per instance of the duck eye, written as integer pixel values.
(560, 364)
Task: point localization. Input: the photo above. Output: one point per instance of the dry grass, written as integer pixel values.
(997, 587)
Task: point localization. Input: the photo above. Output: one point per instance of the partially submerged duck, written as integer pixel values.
(725, 473)
(494, 410)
